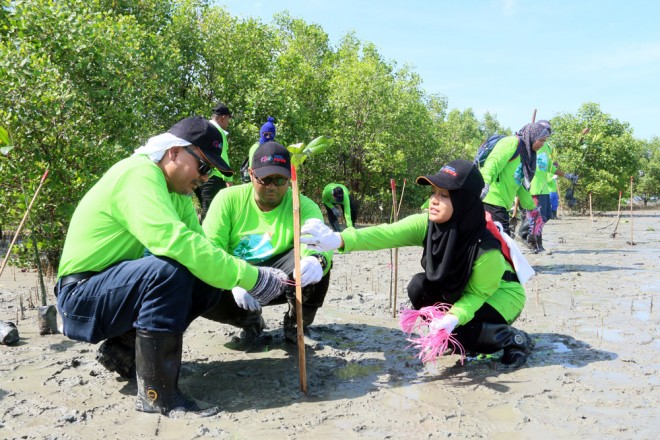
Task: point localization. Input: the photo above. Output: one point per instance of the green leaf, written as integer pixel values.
(4, 136)
(296, 148)
(6, 150)
(319, 145)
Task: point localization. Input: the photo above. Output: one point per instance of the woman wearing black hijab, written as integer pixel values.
(463, 263)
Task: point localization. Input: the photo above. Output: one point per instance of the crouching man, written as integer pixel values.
(141, 305)
(254, 222)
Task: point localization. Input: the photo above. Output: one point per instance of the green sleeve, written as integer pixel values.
(150, 216)
(498, 158)
(411, 231)
(485, 280)
(326, 197)
(253, 148)
(526, 200)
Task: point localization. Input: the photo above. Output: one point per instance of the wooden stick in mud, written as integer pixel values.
(395, 215)
(631, 242)
(302, 364)
(618, 216)
(591, 213)
(20, 226)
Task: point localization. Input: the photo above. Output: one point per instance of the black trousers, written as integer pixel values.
(313, 295)
(334, 221)
(207, 191)
(499, 214)
(424, 293)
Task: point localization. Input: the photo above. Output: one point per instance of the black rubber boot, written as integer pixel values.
(539, 243)
(253, 326)
(158, 363)
(290, 323)
(118, 355)
(517, 344)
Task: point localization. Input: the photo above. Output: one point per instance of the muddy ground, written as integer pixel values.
(594, 373)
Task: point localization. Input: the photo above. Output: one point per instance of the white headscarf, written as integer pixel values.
(156, 146)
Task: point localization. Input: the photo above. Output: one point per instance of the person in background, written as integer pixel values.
(218, 179)
(335, 196)
(509, 170)
(266, 134)
(108, 290)
(462, 261)
(540, 191)
(254, 222)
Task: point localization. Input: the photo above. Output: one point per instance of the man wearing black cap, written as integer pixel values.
(335, 196)
(218, 179)
(108, 289)
(255, 223)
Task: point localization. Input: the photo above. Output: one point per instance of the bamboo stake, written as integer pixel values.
(403, 189)
(618, 216)
(591, 213)
(395, 216)
(534, 116)
(20, 226)
(631, 242)
(296, 252)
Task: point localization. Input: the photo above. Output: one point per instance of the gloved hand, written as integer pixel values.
(572, 177)
(336, 212)
(244, 299)
(320, 237)
(447, 323)
(311, 271)
(270, 284)
(484, 192)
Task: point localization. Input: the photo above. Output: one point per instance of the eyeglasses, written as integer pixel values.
(204, 168)
(277, 180)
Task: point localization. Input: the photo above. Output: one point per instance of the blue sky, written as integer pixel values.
(508, 57)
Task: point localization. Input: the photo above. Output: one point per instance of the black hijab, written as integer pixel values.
(529, 134)
(452, 247)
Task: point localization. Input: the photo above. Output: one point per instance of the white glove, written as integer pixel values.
(446, 323)
(310, 271)
(320, 237)
(244, 299)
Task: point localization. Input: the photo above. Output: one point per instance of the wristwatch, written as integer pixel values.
(322, 260)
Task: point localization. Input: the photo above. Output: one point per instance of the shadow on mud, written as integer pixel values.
(551, 349)
(564, 268)
(345, 361)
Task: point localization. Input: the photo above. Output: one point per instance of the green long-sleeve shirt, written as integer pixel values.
(505, 176)
(235, 223)
(485, 284)
(224, 154)
(545, 169)
(129, 210)
(329, 201)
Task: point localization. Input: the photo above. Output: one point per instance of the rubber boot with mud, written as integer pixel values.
(158, 363)
(118, 355)
(516, 344)
(539, 243)
(253, 326)
(290, 324)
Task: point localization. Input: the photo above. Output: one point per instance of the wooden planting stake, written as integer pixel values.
(631, 242)
(395, 217)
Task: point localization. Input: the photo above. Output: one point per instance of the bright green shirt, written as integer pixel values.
(329, 201)
(485, 284)
(545, 169)
(505, 176)
(235, 223)
(224, 154)
(253, 148)
(129, 210)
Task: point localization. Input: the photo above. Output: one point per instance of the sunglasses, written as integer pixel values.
(204, 168)
(277, 180)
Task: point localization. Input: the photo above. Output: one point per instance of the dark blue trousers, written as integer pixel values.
(154, 294)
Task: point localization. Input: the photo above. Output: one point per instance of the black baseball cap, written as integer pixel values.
(457, 174)
(221, 109)
(271, 159)
(201, 133)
